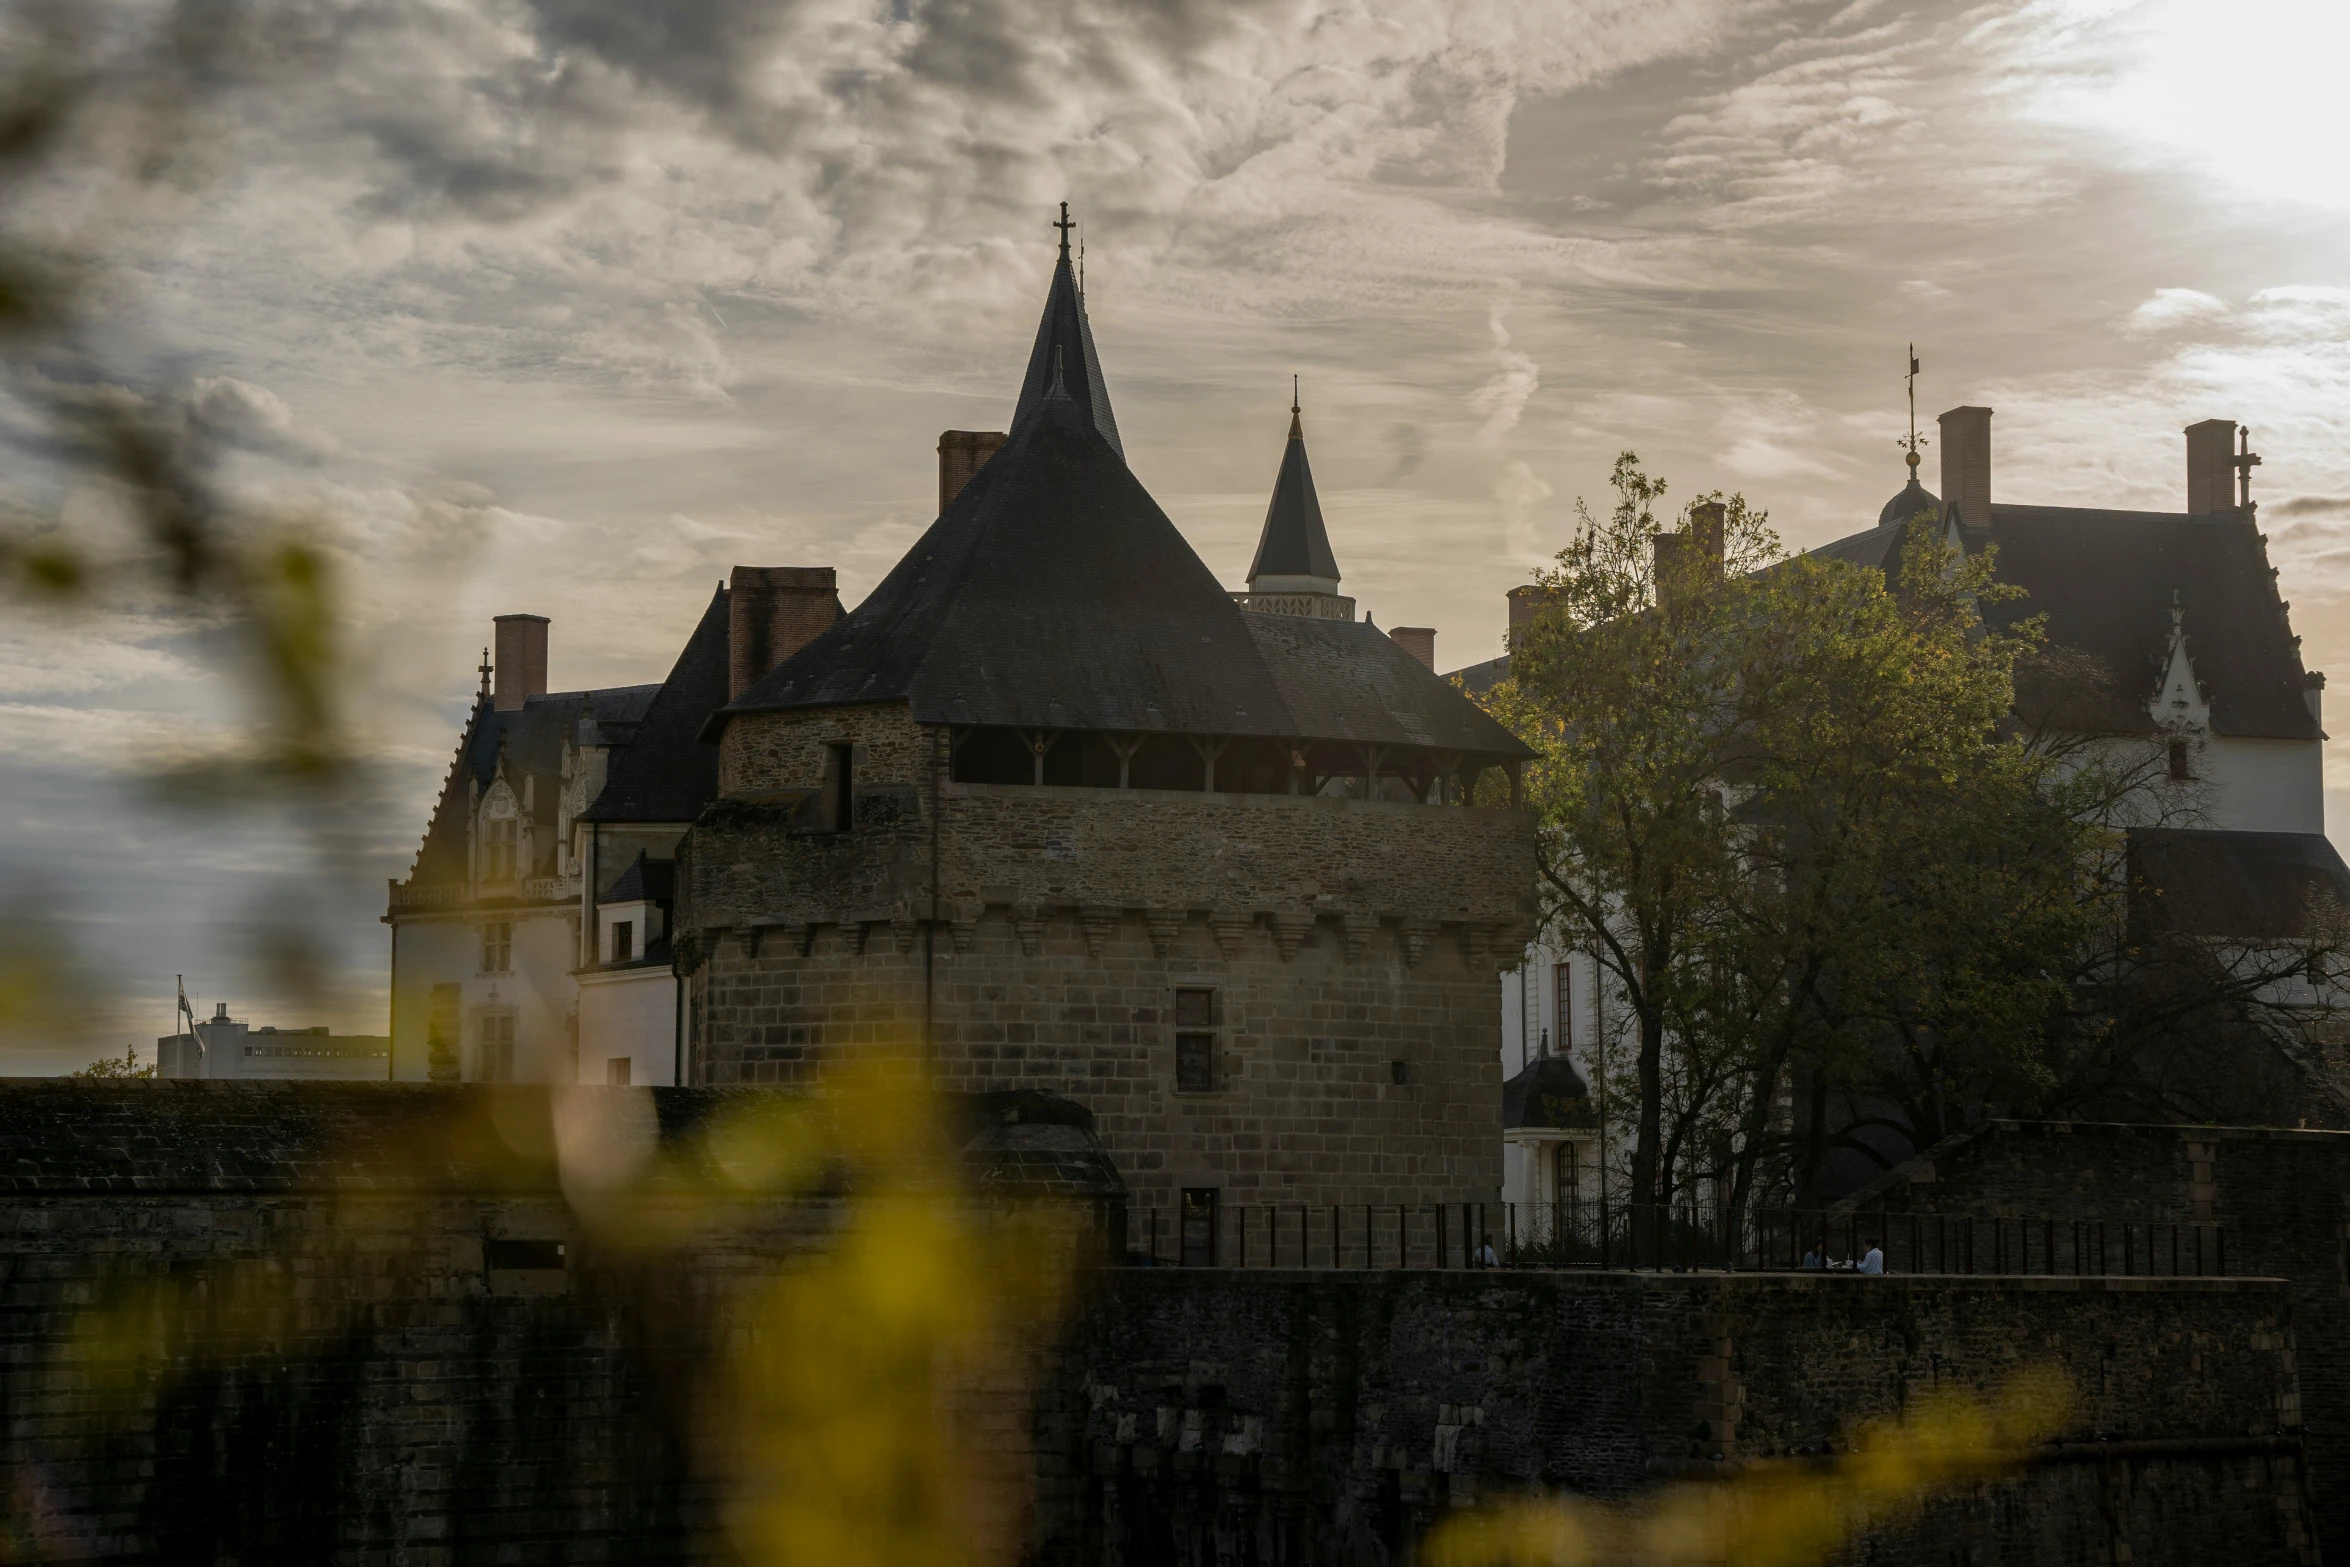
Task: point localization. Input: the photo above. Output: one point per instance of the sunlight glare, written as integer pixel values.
(2247, 90)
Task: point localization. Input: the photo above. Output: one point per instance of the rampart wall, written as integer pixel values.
(329, 1323)
(2281, 1198)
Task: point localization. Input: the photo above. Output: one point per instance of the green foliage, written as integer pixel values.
(1783, 805)
(109, 1068)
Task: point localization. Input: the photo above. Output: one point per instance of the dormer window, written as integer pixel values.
(2182, 761)
(498, 844)
(623, 941)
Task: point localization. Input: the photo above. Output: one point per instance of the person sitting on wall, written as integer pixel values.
(1485, 1255)
(1812, 1258)
(1874, 1262)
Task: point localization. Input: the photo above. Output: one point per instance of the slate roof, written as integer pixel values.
(531, 739)
(1477, 679)
(1064, 342)
(2254, 886)
(2105, 580)
(1907, 502)
(1294, 542)
(645, 881)
(1053, 593)
(667, 773)
(1344, 681)
(1547, 1094)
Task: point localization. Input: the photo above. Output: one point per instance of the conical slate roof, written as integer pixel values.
(1053, 593)
(1064, 338)
(1294, 543)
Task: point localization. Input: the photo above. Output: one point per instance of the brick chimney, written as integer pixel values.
(961, 454)
(1706, 529)
(1527, 601)
(2211, 466)
(771, 613)
(1419, 641)
(1966, 465)
(521, 661)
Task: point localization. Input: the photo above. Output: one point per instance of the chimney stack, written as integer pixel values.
(521, 661)
(2211, 466)
(1527, 601)
(1419, 641)
(1706, 528)
(771, 613)
(961, 454)
(1966, 465)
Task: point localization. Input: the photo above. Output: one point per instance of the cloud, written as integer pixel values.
(2169, 308)
(2310, 506)
(255, 419)
(1501, 401)
(1520, 493)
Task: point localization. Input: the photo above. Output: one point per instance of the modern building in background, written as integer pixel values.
(224, 1047)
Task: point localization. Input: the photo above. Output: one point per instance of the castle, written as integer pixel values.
(1050, 809)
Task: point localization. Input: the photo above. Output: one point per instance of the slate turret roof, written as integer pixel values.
(1907, 502)
(1294, 542)
(1053, 593)
(1064, 342)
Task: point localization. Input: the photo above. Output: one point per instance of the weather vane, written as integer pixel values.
(1911, 442)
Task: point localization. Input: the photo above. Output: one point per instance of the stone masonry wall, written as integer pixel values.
(288, 1322)
(1317, 1417)
(1307, 1105)
(2282, 1198)
(1351, 946)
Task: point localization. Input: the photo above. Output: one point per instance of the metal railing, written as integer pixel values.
(1663, 1238)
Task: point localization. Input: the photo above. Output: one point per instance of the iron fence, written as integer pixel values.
(1659, 1237)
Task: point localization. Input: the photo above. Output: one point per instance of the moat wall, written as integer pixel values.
(322, 1323)
(2281, 1198)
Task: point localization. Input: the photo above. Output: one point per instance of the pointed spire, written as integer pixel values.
(1064, 339)
(1293, 552)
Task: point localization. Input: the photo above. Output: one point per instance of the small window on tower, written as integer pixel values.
(844, 788)
(2182, 760)
(623, 940)
(1195, 1041)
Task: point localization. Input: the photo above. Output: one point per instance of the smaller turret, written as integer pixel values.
(1295, 572)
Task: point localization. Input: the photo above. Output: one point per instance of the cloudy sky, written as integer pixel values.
(567, 306)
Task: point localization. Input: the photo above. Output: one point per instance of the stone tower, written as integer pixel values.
(1049, 810)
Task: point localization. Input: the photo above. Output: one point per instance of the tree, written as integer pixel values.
(108, 1067)
(1758, 774)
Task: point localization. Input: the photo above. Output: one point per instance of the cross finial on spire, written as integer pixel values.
(485, 671)
(2245, 460)
(1064, 226)
(1297, 430)
(1293, 394)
